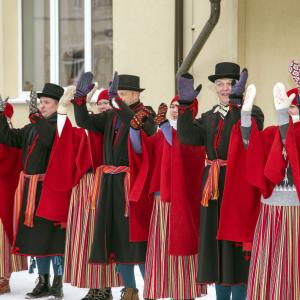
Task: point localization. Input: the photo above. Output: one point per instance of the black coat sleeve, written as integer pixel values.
(10, 136)
(90, 122)
(259, 117)
(190, 131)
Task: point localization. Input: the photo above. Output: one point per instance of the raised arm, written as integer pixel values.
(190, 131)
(282, 104)
(246, 113)
(82, 117)
(9, 136)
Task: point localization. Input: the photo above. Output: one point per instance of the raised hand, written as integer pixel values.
(113, 87)
(33, 109)
(185, 87)
(65, 100)
(84, 84)
(294, 69)
(34, 113)
(3, 104)
(281, 100)
(139, 118)
(249, 98)
(161, 116)
(91, 93)
(238, 89)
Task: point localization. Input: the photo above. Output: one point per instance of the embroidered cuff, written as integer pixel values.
(79, 100)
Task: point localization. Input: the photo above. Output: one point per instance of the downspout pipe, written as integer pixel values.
(178, 49)
(202, 38)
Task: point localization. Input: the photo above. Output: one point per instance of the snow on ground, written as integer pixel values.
(22, 282)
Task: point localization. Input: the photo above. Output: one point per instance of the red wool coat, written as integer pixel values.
(174, 171)
(71, 157)
(241, 200)
(10, 168)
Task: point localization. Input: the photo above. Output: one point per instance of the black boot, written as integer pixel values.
(41, 289)
(56, 290)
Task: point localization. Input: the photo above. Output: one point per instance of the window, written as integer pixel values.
(102, 46)
(63, 38)
(35, 44)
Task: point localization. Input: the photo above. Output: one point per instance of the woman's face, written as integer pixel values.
(174, 110)
(103, 105)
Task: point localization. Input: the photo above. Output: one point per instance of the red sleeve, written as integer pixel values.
(187, 165)
(241, 200)
(10, 168)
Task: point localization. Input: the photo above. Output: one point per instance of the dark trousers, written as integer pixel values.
(238, 292)
(127, 274)
(43, 264)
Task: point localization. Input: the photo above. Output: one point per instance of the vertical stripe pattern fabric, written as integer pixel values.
(9, 262)
(168, 276)
(80, 231)
(274, 269)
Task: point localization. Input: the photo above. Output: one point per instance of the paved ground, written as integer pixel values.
(22, 282)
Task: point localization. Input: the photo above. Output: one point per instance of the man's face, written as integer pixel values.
(223, 89)
(47, 106)
(103, 105)
(129, 97)
(174, 110)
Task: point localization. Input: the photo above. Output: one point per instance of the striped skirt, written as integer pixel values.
(168, 276)
(9, 262)
(274, 268)
(80, 230)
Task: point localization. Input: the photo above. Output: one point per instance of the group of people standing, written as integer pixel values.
(191, 201)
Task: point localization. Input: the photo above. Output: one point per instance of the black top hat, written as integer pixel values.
(225, 70)
(51, 90)
(130, 83)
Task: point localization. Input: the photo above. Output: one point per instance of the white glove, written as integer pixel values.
(281, 100)
(249, 98)
(91, 93)
(115, 104)
(65, 100)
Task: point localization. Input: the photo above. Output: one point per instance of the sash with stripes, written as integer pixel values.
(211, 187)
(31, 197)
(109, 169)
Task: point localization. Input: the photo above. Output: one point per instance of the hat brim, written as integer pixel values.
(213, 78)
(47, 95)
(129, 88)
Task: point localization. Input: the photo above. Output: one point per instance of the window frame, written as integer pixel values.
(54, 45)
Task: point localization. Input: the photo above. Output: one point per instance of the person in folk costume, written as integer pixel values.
(80, 229)
(103, 103)
(275, 171)
(10, 169)
(174, 187)
(121, 227)
(35, 233)
(221, 259)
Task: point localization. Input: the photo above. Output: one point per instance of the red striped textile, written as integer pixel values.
(108, 169)
(168, 276)
(211, 187)
(274, 268)
(9, 262)
(80, 231)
